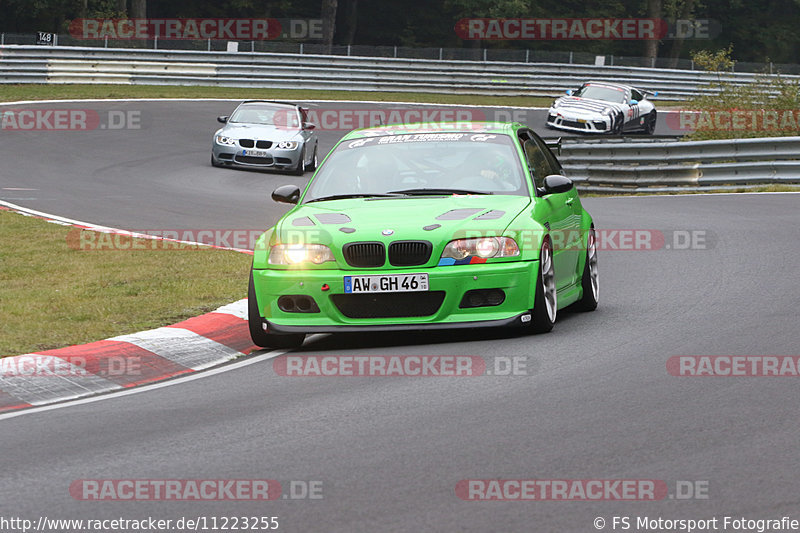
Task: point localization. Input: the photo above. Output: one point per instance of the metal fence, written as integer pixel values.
(402, 52)
(65, 64)
(624, 165)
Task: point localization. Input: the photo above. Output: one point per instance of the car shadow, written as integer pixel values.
(384, 339)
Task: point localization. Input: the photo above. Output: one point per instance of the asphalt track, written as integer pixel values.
(597, 403)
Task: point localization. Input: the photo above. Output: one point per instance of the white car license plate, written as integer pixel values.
(255, 153)
(388, 283)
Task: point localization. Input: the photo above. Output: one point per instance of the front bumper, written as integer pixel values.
(583, 124)
(276, 159)
(515, 279)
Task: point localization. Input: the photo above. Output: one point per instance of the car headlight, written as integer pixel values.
(287, 145)
(296, 254)
(228, 141)
(482, 248)
(607, 111)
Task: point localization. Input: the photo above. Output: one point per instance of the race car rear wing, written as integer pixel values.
(554, 145)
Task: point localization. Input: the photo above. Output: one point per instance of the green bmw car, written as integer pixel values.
(409, 227)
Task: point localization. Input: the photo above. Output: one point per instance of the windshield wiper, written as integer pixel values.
(344, 196)
(423, 192)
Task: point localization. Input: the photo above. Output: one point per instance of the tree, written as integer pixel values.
(350, 20)
(654, 11)
(138, 9)
(328, 16)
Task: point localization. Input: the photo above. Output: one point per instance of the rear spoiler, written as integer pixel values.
(554, 145)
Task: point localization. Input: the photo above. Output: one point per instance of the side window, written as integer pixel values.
(538, 164)
(636, 95)
(555, 166)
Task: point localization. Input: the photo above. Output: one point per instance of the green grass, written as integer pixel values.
(10, 93)
(54, 295)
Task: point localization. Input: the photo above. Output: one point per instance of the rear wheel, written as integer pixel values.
(256, 323)
(590, 281)
(545, 302)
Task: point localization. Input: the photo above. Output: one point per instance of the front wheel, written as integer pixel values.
(261, 337)
(650, 124)
(545, 303)
(590, 281)
(214, 162)
(300, 169)
(618, 125)
(314, 162)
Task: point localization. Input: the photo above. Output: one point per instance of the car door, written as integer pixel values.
(554, 211)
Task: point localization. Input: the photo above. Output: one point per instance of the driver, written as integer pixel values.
(484, 169)
(378, 173)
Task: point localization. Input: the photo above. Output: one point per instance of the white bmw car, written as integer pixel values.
(601, 107)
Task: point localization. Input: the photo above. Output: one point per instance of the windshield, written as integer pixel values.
(425, 163)
(599, 92)
(265, 115)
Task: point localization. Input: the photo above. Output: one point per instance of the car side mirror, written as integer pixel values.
(286, 194)
(222, 119)
(634, 102)
(556, 183)
(309, 126)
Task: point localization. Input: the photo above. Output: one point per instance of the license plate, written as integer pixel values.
(255, 153)
(389, 283)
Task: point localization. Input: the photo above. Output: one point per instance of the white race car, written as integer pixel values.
(601, 107)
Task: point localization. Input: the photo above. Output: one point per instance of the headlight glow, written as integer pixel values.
(296, 254)
(221, 139)
(482, 247)
(287, 145)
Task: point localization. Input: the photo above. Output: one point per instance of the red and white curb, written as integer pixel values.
(126, 361)
(50, 376)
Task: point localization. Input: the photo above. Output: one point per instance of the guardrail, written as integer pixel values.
(35, 64)
(617, 165)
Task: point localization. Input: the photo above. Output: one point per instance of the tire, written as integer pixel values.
(314, 162)
(545, 303)
(619, 125)
(300, 169)
(214, 163)
(650, 125)
(590, 281)
(255, 322)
